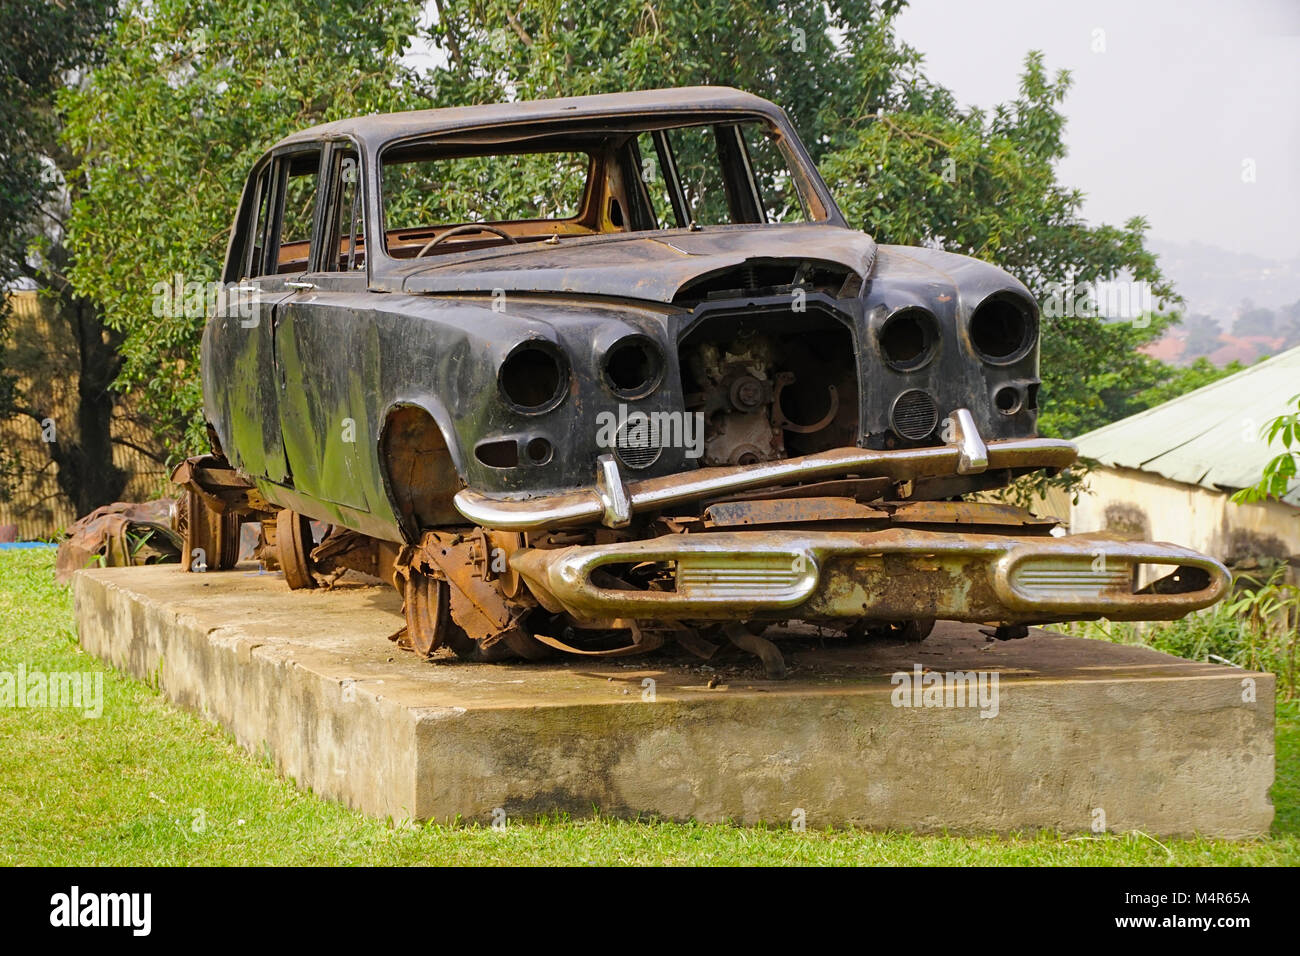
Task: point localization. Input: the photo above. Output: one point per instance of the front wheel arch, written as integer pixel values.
(419, 470)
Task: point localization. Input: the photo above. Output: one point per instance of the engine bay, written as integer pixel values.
(771, 386)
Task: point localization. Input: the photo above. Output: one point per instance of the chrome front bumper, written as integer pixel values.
(614, 502)
(896, 574)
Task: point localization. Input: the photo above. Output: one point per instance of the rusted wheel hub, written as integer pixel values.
(293, 544)
(429, 624)
(428, 612)
(211, 539)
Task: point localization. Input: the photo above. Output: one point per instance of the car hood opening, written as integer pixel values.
(662, 266)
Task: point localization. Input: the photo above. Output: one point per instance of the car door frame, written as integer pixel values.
(326, 421)
(239, 341)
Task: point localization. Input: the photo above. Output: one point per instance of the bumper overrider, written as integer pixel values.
(888, 574)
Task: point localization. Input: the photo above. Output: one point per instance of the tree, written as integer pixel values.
(1255, 322)
(984, 184)
(1203, 336)
(816, 59)
(1280, 471)
(191, 91)
(44, 46)
(189, 94)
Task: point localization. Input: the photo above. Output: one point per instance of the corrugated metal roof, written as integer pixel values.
(1208, 437)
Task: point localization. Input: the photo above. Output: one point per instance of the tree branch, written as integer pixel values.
(453, 46)
(152, 456)
(519, 29)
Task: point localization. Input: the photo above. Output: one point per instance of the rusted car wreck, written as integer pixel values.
(598, 373)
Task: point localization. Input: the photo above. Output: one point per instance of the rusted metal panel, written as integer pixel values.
(963, 513)
(223, 488)
(786, 511)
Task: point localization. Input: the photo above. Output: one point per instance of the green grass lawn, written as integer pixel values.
(146, 783)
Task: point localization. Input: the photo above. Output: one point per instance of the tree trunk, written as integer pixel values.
(84, 454)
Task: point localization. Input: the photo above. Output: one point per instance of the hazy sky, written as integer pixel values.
(1161, 122)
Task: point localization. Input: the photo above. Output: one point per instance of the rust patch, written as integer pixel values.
(786, 511)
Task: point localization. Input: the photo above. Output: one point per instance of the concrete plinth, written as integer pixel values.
(1076, 733)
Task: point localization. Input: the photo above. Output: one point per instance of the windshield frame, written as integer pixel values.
(811, 191)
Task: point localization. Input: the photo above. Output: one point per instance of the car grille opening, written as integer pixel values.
(770, 383)
(915, 414)
(636, 443)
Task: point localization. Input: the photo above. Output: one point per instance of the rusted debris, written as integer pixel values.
(640, 641)
(342, 549)
(789, 511)
(761, 647)
(978, 515)
(220, 487)
(120, 535)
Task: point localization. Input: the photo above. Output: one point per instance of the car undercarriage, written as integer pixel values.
(709, 557)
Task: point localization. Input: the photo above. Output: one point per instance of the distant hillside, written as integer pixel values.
(1216, 281)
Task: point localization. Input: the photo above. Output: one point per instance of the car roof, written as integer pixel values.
(379, 128)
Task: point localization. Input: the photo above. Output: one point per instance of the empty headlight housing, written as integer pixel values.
(1003, 328)
(633, 367)
(534, 377)
(909, 339)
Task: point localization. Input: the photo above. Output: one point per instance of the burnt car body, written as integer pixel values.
(669, 393)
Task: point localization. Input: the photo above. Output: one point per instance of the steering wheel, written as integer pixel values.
(468, 227)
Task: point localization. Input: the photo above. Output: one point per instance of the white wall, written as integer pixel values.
(1199, 518)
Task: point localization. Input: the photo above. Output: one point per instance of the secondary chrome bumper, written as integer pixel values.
(613, 502)
(895, 574)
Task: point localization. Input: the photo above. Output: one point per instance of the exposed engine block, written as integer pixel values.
(767, 395)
